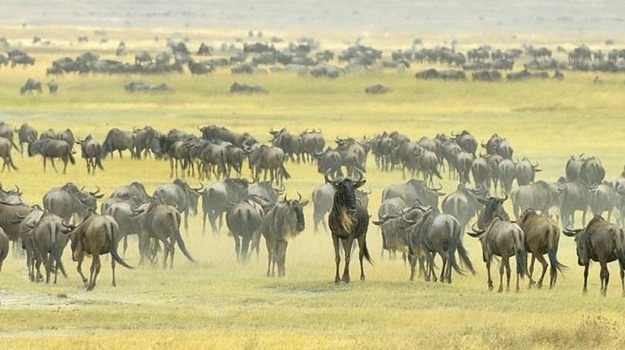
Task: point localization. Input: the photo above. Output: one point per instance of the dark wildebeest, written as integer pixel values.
(31, 86)
(96, 235)
(329, 161)
(161, 222)
(10, 217)
(49, 238)
(504, 239)
(118, 140)
(313, 142)
(53, 87)
(323, 197)
(283, 222)
(5, 153)
(4, 247)
(573, 167)
(68, 200)
(348, 221)
(50, 149)
(525, 172)
(26, 134)
(505, 174)
(539, 196)
(466, 141)
(145, 140)
(462, 163)
(493, 207)
(218, 197)
(441, 234)
(180, 196)
(482, 172)
(542, 236)
(391, 225)
(603, 242)
(92, 153)
(244, 220)
(28, 244)
(269, 160)
(592, 172)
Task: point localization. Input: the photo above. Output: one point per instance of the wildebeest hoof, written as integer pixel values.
(500, 290)
(539, 285)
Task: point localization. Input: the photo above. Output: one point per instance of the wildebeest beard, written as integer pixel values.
(347, 211)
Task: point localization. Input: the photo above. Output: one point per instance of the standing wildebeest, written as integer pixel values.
(542, 236)
(313, 142)
(504, 239)
(69, 200)
(462, 204)
(525, 172)
(161, 222)
(30, 86)
(323, 197)
(218, 197)
(49, 238)
(348, 221)
(493, 207)
(413, 191)
(11, 216)
(466, 141)
(539, 196)
(603, 242)
(329, 161)
(574, 196)
(145, 140)
(53, 87)
(283, 222)
(50, 149)
(180, 196)
(573, 167)
(5, 153)
(28, 244)
(26, 134)
(118, 140)
(505, 174)
(604, 198)
(441, 234)
(4, 247)
(269, 160)
(291, 144)
(244, 220)
(96, 235)
(92, 153)
(592, 171)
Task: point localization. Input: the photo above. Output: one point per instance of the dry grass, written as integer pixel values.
(219, 304)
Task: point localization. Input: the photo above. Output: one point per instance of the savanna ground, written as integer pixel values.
(218, 303)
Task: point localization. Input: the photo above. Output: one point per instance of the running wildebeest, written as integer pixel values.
(348, 221)
(96, 235)
(504, 239)
(282, 223)
(542, 236)
(603, 242)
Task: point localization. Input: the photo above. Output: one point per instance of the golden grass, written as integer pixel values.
(218, 304)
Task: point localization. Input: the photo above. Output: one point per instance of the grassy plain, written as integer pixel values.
(218, 304)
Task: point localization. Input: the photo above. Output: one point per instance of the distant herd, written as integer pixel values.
(410, 218)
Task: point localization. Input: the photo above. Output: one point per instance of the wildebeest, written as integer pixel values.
(31, 85)
(392, 226)
(92, 153)
(244, 220)
(218, 197)
(50, 149)
(505, 174)
(542, 236)
(603, 242)
(118, 140)
(96, 235)
(574, 196)
(539, 196)
(323, 197)
(348, 221)
(26, 134)
(573, 167)
(525, 172)
(180, 196)
(291, 144)
(592, 171)
(466, 141)
(26, 236)
(68, 200)
(504, 239)
(462, 204)
(313, 143)
(5, 153)
(49, 237)
(329, 161)
(10, 219)
(282, 223)
(145, 140)
(413, 191)
(161, 222)
(53, 87)
(441, 234)
(268, 160)
(605, 198)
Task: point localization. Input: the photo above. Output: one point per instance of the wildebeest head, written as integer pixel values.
(493, 206)
(295, 216)
(345, 191)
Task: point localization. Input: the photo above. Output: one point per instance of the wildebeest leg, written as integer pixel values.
(281, 257)
(337, 257)
(65, 160)
(237, 246)
(622, 271)
(186, 221)
(38, 268)
(245, 247)
(171, 167)
(347, 247)
(413, 262)
(80, 259)
(361, 255)
(95, 270)
(44, 164)
(113, 270)
(585, 290)
(605, 277)
(490, 280)
(53, 165)
(541, 259)
(269, 256)
(502, 266)
(172, 250)
(530, 270)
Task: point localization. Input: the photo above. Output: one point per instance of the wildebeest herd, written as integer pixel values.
(410, 218)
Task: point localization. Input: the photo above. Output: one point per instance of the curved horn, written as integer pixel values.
(483, 144)
(326, 178)
(17, 190)
(199, 188)
(505, 196)
(299, 196)
(476, 232)
(411, 222)
(570, 232)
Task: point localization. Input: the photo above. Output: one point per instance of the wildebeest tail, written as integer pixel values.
(521, 254)
(11, 164)
(285, 174)
(453, 247)
(464, 256)
(56, 252)
(552, 252)
(98, 162)
(180, 242)
(71, 157)
(365, 252)
(110, 228)
(436, 173)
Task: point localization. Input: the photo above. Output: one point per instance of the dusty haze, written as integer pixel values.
(571, 17)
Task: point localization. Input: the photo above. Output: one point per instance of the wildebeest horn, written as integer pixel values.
(367, 192)
(299, 196)
(476, 231)
(505, 197)
(17, 190)
(570, 232)
(67, 224)
(411, 222)
(199, 188)
(483, 144)
(326, 178)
